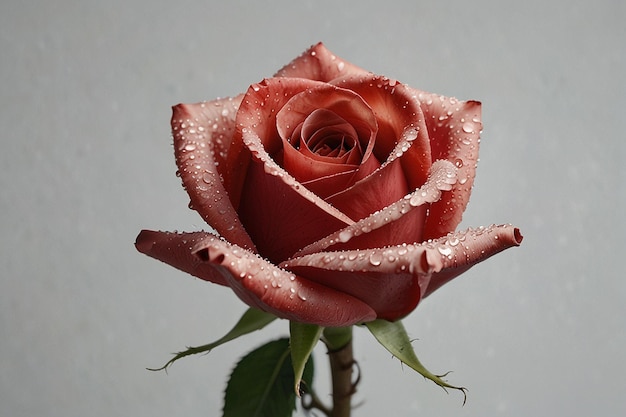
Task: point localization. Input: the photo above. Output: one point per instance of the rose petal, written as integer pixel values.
(265, 286)
(175, 249)
(318, 63)
(393, 280)
(442, 177)
(202, 141)
(470, 247)
(454, 127)
(282, 216)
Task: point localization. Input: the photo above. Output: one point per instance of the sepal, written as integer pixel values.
(302, 340)
(253, 319)
(393, 336)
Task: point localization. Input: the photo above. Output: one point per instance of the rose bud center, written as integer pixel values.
(326, 136)
(328, 133)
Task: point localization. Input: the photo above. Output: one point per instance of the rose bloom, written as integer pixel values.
(335, 193)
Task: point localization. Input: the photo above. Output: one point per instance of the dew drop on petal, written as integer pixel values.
(345, 236)
(415, 200)
(444, 250)
(376, 259)
(468, 127)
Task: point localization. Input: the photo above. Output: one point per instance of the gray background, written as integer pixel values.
(86, 89)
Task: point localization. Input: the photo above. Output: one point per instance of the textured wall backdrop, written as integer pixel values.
(85, 92)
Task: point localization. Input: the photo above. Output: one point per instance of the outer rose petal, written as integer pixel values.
(470, 247)
(175, 249)
(257, 282)
(265, 286)
(454, 128)
(318, 63)
(393, 280)
(202, 139)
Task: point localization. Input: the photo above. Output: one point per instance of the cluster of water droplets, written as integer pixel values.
(458, 124)
(255, 273)
(465, 246)
(453, 250)
(394, 260)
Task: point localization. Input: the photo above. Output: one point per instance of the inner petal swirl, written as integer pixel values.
(327, 133)
(326, 136)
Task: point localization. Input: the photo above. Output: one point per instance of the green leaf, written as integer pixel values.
(303, 338)
(261, 385)
(253, 319)
(394, 338)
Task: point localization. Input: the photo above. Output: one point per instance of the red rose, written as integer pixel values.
(321, 183)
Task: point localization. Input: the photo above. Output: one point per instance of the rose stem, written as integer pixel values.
(340, 354)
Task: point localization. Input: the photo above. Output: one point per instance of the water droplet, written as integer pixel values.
(207, 178)
(411, 134)
(468, 127)
(458, 163)
(376, 258)
(345, 236)
(415, 200)
(444, 250)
